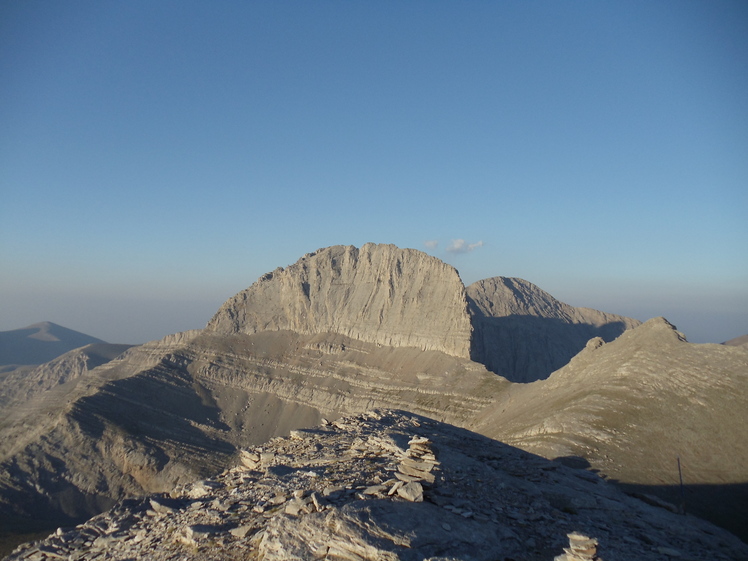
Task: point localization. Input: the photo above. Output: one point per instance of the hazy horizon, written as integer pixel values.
(157, 158)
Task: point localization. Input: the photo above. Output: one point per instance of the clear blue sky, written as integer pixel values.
(157, 157)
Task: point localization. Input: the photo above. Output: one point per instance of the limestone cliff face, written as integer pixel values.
(378, 294)
(524, 333)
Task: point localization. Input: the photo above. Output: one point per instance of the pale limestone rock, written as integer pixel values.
(379, 293)
(491, 503)
(412, 492)
(177, 410)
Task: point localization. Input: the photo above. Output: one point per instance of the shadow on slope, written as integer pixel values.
(528, 348)
(530, 498)
(161, 404)
(139, 434)
(25, 382)
(40, 343)
(724, 505)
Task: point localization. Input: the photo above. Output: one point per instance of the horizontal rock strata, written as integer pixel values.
(405, 298)
(188, 402)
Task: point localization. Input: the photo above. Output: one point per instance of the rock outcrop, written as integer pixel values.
(524, 333)
(335, 492)
(176, 410)
(378, 294)
(405, 298)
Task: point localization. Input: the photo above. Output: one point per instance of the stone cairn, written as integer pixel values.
(581, 548)
(414, 470)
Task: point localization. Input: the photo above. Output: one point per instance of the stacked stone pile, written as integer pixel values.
(371, 487)
(415, 470)
(581, 548)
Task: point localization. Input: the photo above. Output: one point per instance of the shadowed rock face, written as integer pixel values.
(293, 348)
(378, 294)
(632, 407)
(175, 410)
(523, 333)
(40, 343)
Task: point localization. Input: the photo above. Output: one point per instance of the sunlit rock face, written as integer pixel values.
(378, 294)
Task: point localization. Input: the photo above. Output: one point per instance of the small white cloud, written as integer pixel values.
(431, 244)
(461, 246)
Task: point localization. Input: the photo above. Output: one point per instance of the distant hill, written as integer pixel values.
(742, 340)
(40, 343)
(25, 382)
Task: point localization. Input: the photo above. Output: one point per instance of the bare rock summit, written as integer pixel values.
(377, 294)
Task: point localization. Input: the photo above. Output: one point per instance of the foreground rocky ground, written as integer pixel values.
(390, 485)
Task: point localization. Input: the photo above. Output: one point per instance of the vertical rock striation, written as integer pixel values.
(379, 294)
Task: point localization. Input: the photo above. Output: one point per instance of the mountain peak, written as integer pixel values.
(40, 342)
(46, 331)
(659, 326)
(379, 294)
(397, 297)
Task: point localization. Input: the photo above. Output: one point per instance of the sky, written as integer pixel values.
(157, 157)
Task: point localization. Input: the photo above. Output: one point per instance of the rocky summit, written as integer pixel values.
(396, 486)
(379, 294)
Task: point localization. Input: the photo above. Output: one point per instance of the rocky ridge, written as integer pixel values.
(174, 411)
(737, 341)
(405, 298)
(390, 485)
(22, 384)
(525, 334)
(637, 406)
